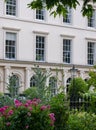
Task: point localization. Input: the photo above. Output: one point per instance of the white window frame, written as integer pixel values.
(67, 37)
(32, 80)
(15, 12)
(69, 16)
(42, 34)
(44, 15)
(11, 46)
(53, 90)
(68, 81)
(11, 30)
(16, 84)
(70, 51)
(94, 53)
(41, 48)
(93, 20)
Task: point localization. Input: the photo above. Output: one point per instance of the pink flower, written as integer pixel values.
(30, 108)
(43, 108)
(37, 100)
(10, 112)
(27, 126)
(33, 102)
(8, 123)
(26, 104)
(48, 106)
(29, 114)
(17, 103)
(6, 107)
(2, 109)
(52, 117)
(29, 102)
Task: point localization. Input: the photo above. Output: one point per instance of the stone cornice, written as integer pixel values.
(11, 28)
(18, 63)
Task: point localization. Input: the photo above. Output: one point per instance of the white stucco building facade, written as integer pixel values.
(29, 37)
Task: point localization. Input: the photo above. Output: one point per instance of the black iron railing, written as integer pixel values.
(80, 103)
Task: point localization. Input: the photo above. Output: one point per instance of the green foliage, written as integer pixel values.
(77, 87)
(40, 90)
(1, 94)
(59, 106)
(59, 6)
(92, 79)
(31, 93)
(30, 115)
(92, 102)
(40, 77)
(87, 10)
(6, 101)
(81, 121)
(12, 88)
(13, 92)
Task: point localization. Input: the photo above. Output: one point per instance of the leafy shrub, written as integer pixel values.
(31, 93)
(92, 80)
(59, 107)
(30, 115)
(6, 100)
(82, 121)
(77, 87)
(1, 94)
(92, 102)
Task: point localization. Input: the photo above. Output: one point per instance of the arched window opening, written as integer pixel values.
(53, 85)
(86, 80)
(67, 84)
(13, 86)
(33, 81)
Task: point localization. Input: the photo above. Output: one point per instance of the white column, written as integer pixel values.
(22, 87)
(47, 80)
(65, 73)
(82, 74)
(27, 77)
(1, 84)
(6, 78)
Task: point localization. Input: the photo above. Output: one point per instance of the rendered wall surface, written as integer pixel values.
(27, 27)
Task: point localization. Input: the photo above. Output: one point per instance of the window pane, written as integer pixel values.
(66, 51)
(67, 18)
(67, 84)
(10, 46)
(90, 53)
(33, 82)
(40, 48)
(14, 84)
(40, 14)
(53, 85)
(91, 20)
(11, 7)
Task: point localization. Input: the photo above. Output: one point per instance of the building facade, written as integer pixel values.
(33, 37)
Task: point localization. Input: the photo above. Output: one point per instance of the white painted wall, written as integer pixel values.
(26, 23)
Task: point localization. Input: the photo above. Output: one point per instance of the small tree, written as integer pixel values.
(40, 90)
(77, 87)
(13, 86)
(13, 92)
(92, 80)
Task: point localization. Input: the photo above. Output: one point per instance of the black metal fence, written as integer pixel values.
(80, 103)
